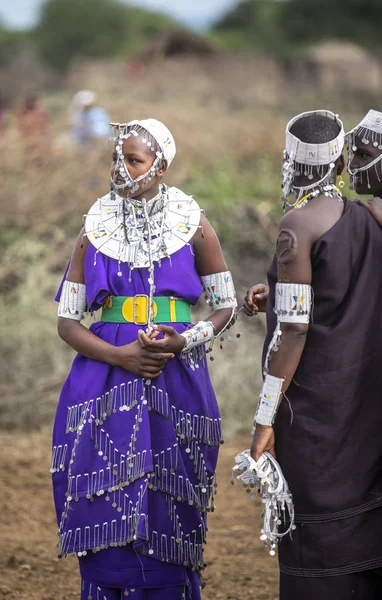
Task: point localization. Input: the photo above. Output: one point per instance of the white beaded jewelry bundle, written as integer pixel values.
(265, 478)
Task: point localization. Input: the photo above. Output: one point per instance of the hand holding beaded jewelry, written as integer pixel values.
(266, 476)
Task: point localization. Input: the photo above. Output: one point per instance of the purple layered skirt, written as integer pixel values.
(133, 461)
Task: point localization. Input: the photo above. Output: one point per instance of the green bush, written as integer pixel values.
(281, 26)
(101, 28)
(11, 42)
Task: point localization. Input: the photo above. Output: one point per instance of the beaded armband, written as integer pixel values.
(219, 290)
(268, 401)
(293, 302)
(72, 301)
(201, 333)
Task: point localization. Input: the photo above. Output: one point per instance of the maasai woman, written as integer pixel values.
(137, 429)
(365, 161)
(319, 409)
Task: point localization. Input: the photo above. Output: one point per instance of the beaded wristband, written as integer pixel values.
(201, 333)
(72, 301)
(268, 400)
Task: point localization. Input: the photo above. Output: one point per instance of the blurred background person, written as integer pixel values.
(89, 121)
(33, 125)
(2, 123)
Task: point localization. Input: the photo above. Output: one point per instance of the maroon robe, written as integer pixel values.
(331, 453)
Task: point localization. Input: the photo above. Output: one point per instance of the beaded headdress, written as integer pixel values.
(153, 134)
(302, 158)
(370, 132)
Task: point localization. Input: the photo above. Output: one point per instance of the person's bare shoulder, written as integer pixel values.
(300, 222)
(312, 221)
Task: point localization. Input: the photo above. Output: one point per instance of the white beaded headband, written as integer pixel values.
(372, 121)
(314, 154)
(302, 158)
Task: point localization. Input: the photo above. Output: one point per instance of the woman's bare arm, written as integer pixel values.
(209, 259)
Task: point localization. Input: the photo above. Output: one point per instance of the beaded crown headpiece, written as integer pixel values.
(370, 132)
(152, 133)
(158, 130)
(303, 158)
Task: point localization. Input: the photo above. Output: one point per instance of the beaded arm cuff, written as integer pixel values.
(219, 290)
(201, 333)
(72, 301)
(268, 400)
(293, 302)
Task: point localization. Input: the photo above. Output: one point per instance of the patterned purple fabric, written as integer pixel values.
(133, 463)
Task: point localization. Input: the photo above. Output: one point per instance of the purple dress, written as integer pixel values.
(134, 462)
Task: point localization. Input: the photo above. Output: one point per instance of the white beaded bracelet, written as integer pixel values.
(201, 333)
(268, 400)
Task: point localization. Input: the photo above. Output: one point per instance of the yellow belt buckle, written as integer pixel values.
(140, 309)
(135, 309)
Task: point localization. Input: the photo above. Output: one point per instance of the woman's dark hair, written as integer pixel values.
(315, 129)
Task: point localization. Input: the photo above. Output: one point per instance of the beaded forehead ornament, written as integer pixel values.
(154, 135)
(302, 158)
(369, 130)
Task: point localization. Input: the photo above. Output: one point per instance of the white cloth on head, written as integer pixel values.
(161, 134)
(314, 154)
(83, 98)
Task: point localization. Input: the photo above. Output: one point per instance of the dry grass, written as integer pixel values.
(227, 120)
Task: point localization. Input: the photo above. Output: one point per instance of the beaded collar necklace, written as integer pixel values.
(331, 191)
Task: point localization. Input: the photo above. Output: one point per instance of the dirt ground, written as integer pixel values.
(239, 568)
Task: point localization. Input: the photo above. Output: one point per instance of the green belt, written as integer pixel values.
(134, 309)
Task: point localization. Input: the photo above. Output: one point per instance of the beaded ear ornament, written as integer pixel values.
(369, 132)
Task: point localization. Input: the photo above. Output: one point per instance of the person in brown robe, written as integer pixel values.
(327, 432)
